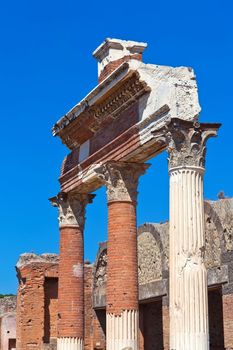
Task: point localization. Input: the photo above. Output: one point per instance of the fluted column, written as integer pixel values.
(189, 329)
(121, 180)
(71, 266)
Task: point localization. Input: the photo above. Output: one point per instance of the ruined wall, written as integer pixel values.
(37, 297)
(8, 304)
(153, 274)
(37, 310)
(7, 322)
(37, 301)
(219, 214)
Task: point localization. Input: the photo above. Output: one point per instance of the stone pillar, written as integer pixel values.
(121, 180)
(71, 264)
(186, 141)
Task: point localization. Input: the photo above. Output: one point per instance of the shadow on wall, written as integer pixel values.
(152, 314)
(50, 314)
(216, 319)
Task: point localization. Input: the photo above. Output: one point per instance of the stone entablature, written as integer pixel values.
(114, 121)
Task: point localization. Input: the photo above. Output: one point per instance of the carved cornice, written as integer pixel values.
(186, 141)
(93, 115)
(118, 101)
(121, 179)
(71, 207)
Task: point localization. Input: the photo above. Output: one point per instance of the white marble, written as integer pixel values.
(122, 330)
(188, 276)
(70, 343)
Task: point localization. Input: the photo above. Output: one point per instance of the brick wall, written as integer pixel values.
(37, 295)
(114, 128)
(109, 68)
(88, 285)
(71, 279)
(228, 321)
(37, 315)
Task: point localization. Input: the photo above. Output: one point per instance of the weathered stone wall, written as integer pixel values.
(7, 304)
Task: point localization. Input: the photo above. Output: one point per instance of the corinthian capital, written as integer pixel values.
(186, 141)
(121, 179)
(71, 207)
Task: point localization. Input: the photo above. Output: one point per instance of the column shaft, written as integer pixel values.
(121, 180)
(188, 277)
(122, 281)
(186, 145)
(71, 269)
(71, 288)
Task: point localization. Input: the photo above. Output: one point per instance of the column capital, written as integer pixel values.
(186, 141)
(71, 208)
(121, 179)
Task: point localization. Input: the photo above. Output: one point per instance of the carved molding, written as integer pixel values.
(186, 141)
(71, 207)
(118, 101)
(121, 179)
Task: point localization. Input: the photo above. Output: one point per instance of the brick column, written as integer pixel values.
(188, 305)
(121, 180)
(71, 279)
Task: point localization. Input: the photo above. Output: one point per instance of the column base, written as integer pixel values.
(70, 343)
(122, 330)
(197, 341)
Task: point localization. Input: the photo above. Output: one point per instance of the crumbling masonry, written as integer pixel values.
(135, 112)
(38, 289)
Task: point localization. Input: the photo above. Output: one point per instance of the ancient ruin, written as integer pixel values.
(146, 290)
(37, 307)
(8, 323)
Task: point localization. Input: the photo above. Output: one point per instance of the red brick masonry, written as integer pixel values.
(71, 295)
(122, 282)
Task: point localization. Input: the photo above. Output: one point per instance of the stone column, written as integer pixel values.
(189, 329)
(71, 264)
(121, 180)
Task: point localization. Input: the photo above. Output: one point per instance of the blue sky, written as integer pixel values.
(46, 67)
